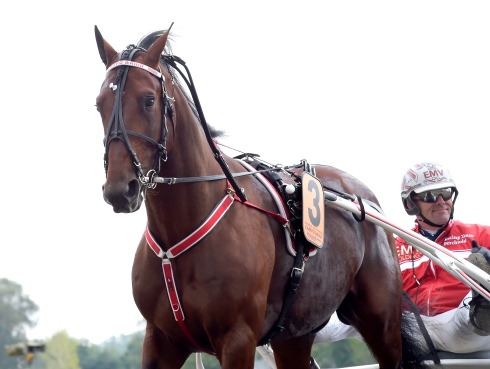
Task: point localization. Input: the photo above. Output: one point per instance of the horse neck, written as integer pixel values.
(174, 211)
(190, 154)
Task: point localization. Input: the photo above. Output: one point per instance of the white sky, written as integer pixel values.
(370, 87)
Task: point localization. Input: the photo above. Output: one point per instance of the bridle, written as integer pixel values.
(117, 129)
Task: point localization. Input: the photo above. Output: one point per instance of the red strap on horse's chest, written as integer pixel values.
(209, 223)
(173, 297)
(276, 216)
(207, 226)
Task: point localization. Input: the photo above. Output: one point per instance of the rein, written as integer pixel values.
(172, 60)
(172, 180)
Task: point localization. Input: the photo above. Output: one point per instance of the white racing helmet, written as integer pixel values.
(422, 177)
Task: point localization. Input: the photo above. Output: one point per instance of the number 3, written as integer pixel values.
(315, 220)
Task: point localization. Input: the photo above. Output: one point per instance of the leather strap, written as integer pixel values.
(423, 329)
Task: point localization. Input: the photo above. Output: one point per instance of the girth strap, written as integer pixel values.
(292, 289)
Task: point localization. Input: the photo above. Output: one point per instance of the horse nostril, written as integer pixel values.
(133, 189)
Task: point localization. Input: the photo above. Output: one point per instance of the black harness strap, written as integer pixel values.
(172, 60)
(423, 329)
(291, 291)
(363, 211)
(116, 124)
(117, 130)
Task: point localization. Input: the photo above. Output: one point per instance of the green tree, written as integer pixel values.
(88, 354)
(16, 310)
(123, 352)
(107, 358)
(61, 352)
(132, 355)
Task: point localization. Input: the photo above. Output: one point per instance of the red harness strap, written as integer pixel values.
(276, 216)
(207, 226)
(218, 212)
(173, 297)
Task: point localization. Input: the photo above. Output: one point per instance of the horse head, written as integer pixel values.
(135, 108)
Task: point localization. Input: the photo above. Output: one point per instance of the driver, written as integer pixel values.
(457, 319)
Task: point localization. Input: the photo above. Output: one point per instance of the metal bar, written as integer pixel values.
(467, 273)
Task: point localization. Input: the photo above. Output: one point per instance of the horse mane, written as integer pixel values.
(145, 42)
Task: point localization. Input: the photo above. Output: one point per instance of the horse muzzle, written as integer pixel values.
(124, 197)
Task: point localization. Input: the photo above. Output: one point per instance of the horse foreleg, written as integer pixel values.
(293, 353)
(236, 349)
(159, 353)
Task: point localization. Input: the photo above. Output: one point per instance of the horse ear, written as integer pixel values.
(156, 49)
(106, 51)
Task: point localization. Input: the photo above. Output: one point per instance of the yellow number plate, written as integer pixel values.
(313, 209)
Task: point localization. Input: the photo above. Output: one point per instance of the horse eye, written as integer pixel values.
(149, 102)
(97, 107)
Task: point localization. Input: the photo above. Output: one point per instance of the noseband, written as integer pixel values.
(116, 128)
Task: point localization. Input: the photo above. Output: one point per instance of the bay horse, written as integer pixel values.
(215, 265)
